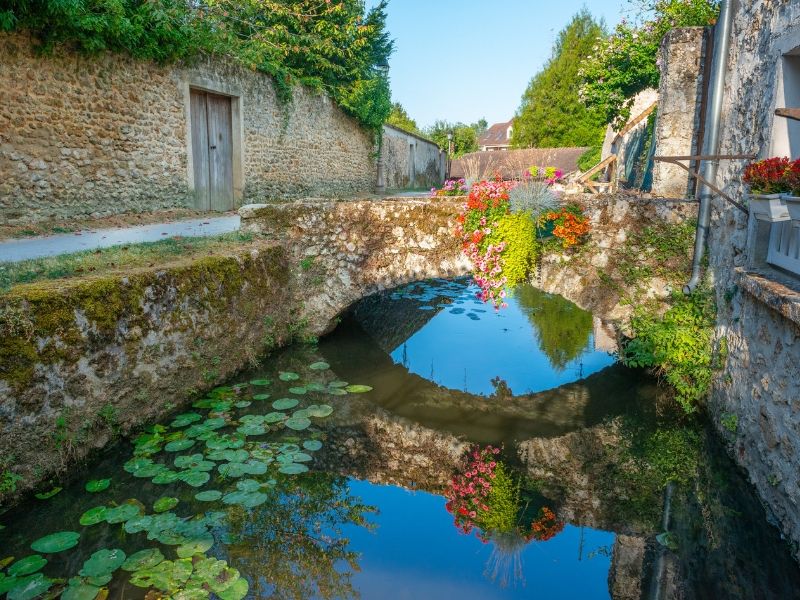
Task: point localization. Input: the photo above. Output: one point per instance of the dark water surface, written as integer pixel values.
(353, 496)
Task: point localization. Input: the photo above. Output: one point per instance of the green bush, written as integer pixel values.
(679, 345)
(518, 230)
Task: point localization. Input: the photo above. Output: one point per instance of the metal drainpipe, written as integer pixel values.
(722, 42)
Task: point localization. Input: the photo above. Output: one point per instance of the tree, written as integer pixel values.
(465, 137)
(399, 118)
(626, 62)
(551, 114)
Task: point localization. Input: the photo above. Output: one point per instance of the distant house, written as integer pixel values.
(512, 164)
(497, 137)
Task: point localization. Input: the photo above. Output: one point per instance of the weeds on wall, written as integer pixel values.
(335, 47)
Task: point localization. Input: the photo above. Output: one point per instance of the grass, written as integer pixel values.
(115, 257)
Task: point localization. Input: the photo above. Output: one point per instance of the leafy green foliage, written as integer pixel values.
(465, 137)
(551, 114)
(625, 63)
(504, 500)
(399, 118)
(679, 345)
(590, 158)
(518, 231)
(335, 47)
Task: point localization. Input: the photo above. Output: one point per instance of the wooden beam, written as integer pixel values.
(634, 122)
(597, 168)
(789, 113)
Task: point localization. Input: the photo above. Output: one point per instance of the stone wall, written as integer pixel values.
(680, 93)
(91, 136)
(84, 358)
(758, 391)
(426, 170)
(630, 144)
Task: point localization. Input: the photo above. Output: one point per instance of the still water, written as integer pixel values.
(430, 447)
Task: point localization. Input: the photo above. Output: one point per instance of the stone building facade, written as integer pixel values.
(757, 394)
(411, 161)
(83, 136)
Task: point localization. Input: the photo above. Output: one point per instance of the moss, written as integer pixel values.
(17, 359)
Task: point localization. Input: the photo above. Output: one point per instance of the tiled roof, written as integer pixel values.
(511, 164)
(496, 135)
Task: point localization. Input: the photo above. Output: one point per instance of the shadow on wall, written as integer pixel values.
(411, 161)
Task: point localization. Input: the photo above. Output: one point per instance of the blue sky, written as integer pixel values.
(461, 60)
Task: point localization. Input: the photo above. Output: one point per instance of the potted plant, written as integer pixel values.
(766, 179)
(792, 196)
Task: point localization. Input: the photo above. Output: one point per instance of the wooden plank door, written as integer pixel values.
(212, 150)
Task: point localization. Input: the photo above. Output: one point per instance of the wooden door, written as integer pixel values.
(212, 150)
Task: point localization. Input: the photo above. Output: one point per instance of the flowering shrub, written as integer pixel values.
(470, 488)
(768, 176)
(569, 225)
(791, 178)
(550, 174)
(451, 187)
(546, 526)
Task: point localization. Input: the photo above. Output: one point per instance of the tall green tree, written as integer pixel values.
(465, 137)
(551, 114)
(399, 118)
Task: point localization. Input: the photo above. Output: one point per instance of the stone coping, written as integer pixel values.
(251, 211)
(780, 292)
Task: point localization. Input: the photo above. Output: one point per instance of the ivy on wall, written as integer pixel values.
(335, 46)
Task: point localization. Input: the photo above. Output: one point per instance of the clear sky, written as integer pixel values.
(461, 60)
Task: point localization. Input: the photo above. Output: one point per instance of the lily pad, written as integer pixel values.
(293, 469)
(56, 542)
(165, 576)
(245, 499)
(27, 566)
(320, 411)
(260, 382)
(93, 516)
(80, 591)
(123, 512)
(237, 455)
(358, 389)
(337, 392)
(248, 485)
(194, 478)
(252, 429)
(50, 494)
(179, 445)
(185, 419)
(97, 485)
(144, 559)
(298, 423)
(319, 366)
(165, 476)
(301, 457)
(338, 384)
(262, 396)
(103, 562)
(288, 376)
(197, 546)
(164, 504)
(29, 587)
(215, 423)
(194, 462)
(312, 445)
(299, 391)
(275, 417)
(237, 590)
(315, 387)
(243, 404)
(285, 403)
(208, 496)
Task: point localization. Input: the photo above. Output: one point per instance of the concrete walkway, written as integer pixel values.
(17, 250)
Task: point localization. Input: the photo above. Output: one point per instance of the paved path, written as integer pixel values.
(16, 250)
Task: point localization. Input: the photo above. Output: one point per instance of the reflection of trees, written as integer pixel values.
(292, 546)
(564, 328)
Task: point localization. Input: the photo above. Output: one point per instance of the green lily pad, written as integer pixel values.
(165, 576)
(232, 469)
(80, 591)
(245, 499)
(252, 429)
(255, 467)
(260, 382)
(122, 513)
(179, 445)
(93, 516)
(300, 414)
(301, 457)
(194, 478)
(320, 411)
(338, 384)
(298, 423)
(224, 442)
(103, 562)
(194, 462)
(299, 391)
(293, 469)
(215, 423)
(358, 389)
(97, 485)
(336, 392)
(248, 485)
(27, 588)
(312, 445)
(315, 387)
(56, 542)
(6, 583)
(185, 419)
(319, 366)
(208, 496)
(237, 455)
(285, 403)
(27, 566)
(237, 590)
(197, 546)
(243, 404)
(262, 396)
(288, 376)
(164, 504)
(144, 559)
(166, 476)
(275, 417)
(50, 494)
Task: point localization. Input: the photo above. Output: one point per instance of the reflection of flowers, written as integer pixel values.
(467, 497)
(546, 526)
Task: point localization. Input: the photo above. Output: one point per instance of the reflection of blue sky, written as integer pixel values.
(416, 553)
(459, 351)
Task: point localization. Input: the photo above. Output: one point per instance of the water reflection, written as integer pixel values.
(541, 341)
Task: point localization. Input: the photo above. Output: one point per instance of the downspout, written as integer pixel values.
(722, 42)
